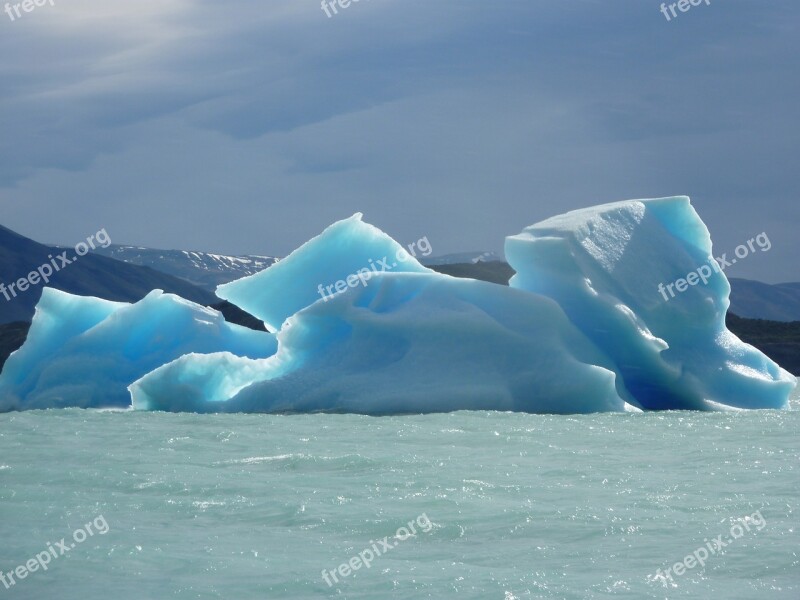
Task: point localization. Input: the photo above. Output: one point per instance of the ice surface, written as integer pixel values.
(197, 382)
(85, 352)
(604, 265)
(585, 327)
(404, 343)
(342, 250)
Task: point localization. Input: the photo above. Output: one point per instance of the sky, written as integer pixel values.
(248, 127)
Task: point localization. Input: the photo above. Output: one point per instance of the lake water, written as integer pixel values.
(504, 506)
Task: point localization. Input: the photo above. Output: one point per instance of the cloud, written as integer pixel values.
(460, 121)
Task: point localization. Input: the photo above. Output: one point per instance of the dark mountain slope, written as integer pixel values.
(89, 275)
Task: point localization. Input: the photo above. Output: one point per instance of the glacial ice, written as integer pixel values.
(604, 265)
(404, 343)
(342, 250)
(84, 352)
(583, 328)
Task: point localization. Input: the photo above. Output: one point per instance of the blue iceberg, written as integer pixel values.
(583, 328)
(85, 352)
(609, 266)
(404, 343)
(347, 249)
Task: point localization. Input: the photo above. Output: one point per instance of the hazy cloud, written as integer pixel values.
(248, 127)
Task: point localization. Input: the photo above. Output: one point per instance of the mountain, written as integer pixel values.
(756, 300)
(12, 336)
(207, 270)
(89, 275)
(202, 269)
(493, 271)
(750, 299)
(461, 258)
(778, 340)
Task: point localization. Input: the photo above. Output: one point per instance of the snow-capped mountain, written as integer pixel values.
(203, 269)
(89, 275)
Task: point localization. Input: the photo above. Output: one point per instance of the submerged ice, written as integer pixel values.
(583, 328)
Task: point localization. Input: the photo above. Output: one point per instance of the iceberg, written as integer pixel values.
(347, 249)
(85, 352)
(404, 343)
(363, 327)
(608, 268)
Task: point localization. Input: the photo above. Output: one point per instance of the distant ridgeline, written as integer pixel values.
(88, 275)
(203, 269)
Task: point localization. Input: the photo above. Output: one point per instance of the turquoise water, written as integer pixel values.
(505, 505)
